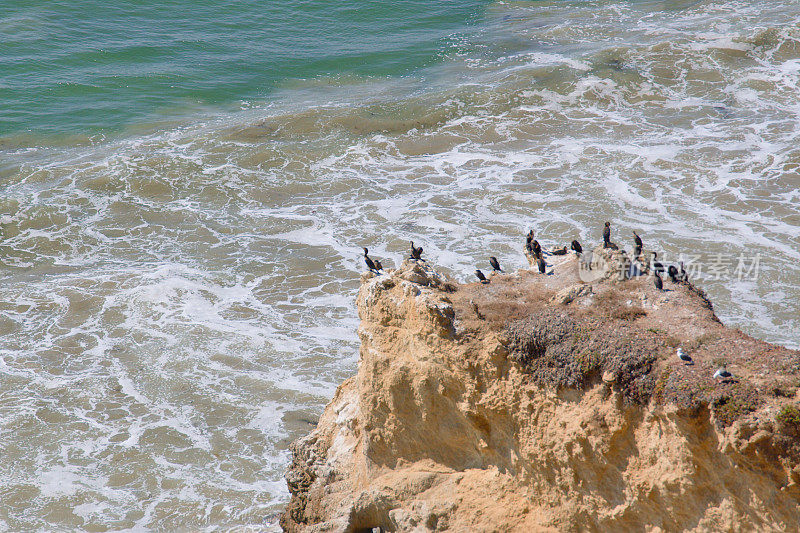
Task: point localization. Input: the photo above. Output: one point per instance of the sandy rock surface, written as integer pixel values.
(543, 403)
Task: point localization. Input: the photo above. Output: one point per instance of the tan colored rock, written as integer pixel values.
(548, 413)
(568, 294)
(609, 377)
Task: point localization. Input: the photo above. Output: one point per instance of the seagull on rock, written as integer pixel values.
(683, 356)
(723, 374)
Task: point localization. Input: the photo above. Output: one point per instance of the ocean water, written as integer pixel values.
(185, 191)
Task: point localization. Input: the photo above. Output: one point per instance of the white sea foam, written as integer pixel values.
(173, 300)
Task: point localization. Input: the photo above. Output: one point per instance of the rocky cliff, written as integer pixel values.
(542, 403)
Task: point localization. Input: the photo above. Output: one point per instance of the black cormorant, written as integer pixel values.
(541, 263)
(577, 247)
(495, 264)
(673, 273)
(658, 283)
(607, 235)
(536, 248)
(529, 242)
(368, 261)
(416, 253)
(658, 267)
(481, 276)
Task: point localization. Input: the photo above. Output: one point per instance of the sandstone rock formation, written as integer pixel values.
(541, 403)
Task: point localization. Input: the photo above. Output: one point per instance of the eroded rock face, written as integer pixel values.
(537, 403)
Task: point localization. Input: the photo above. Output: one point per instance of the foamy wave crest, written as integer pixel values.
(179, 306)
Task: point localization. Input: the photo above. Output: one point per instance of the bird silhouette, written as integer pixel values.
(658, 282)
(607, 235)
(673, 273)
(369, 262)
(541, 263)
(416, 253)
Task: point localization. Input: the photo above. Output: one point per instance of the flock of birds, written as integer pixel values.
(534, 249)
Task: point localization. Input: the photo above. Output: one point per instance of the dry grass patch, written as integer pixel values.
(617, 303)
(492, 305)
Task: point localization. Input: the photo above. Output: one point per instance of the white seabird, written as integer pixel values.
(722, 374)
(683, 356)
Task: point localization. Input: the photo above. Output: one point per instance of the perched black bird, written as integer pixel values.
(481, 276)
(529, 242)
(607, 235)
(541, 263)
(637, 240)
(378, 265)
(536, 248)
(577, 247)
(495, 264)
(559, 251)
(673, 273)
(416, 253)
(658, 267)
(658, 283)
(684, 275)
(368, 261)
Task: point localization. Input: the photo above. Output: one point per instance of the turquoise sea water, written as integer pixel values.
(89, 66)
